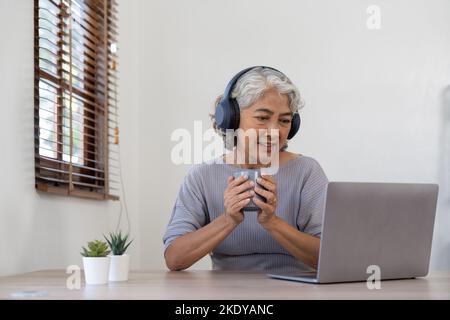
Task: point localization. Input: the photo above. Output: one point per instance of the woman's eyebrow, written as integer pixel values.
(265, 110)
(271, 112)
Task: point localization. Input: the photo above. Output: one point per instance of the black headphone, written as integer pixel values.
(227, 113)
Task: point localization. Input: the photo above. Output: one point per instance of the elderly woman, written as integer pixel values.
(208, 216)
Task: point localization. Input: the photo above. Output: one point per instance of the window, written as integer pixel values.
(76, 116)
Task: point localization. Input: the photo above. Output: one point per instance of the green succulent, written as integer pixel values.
(97, 248)
(118, 243)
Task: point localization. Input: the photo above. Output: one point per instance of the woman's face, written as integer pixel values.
(270, 112)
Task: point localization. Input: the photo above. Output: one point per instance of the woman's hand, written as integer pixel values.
(267, 213)
(236, 197)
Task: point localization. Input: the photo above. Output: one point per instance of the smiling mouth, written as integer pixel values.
(267, 142)
(268, 146)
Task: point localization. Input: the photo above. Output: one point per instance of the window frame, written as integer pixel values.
(96, 131)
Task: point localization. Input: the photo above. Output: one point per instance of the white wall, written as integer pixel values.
(373, 110)
(41, 231)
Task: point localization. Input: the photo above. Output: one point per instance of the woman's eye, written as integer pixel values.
(286, 121)
(262, 118)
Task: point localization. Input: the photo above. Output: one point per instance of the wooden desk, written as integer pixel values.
(221, 285)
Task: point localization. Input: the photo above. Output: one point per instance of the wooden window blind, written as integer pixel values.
(75, 114)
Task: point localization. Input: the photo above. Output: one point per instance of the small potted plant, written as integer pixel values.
(120, 261)
(96, 262)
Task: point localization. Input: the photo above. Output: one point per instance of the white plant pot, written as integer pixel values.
(119, 267)
(96, 269)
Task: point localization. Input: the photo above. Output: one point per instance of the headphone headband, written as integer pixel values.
(236, 78)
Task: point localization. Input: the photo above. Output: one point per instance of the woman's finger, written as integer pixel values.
(239, 205)
(268, 184)
(240, 197)
(266, 194)
(236, 182)
(232, 182)
(243, 187)
(245, 195)
(264, 206)
(269, 178)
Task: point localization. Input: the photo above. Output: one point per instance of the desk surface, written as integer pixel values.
(220, 285)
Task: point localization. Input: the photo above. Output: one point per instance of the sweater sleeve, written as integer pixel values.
(189, 212)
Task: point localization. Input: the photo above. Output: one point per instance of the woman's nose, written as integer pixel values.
(273, 125)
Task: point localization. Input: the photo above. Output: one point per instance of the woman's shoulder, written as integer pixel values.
(304, 167)
(301, 161)
(200, 175)
(205, 168)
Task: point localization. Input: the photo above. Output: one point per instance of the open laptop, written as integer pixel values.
(389, 225)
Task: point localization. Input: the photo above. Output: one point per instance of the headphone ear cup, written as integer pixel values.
(227, 115)
(236, 116)
(222, 116)
(295, 126)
